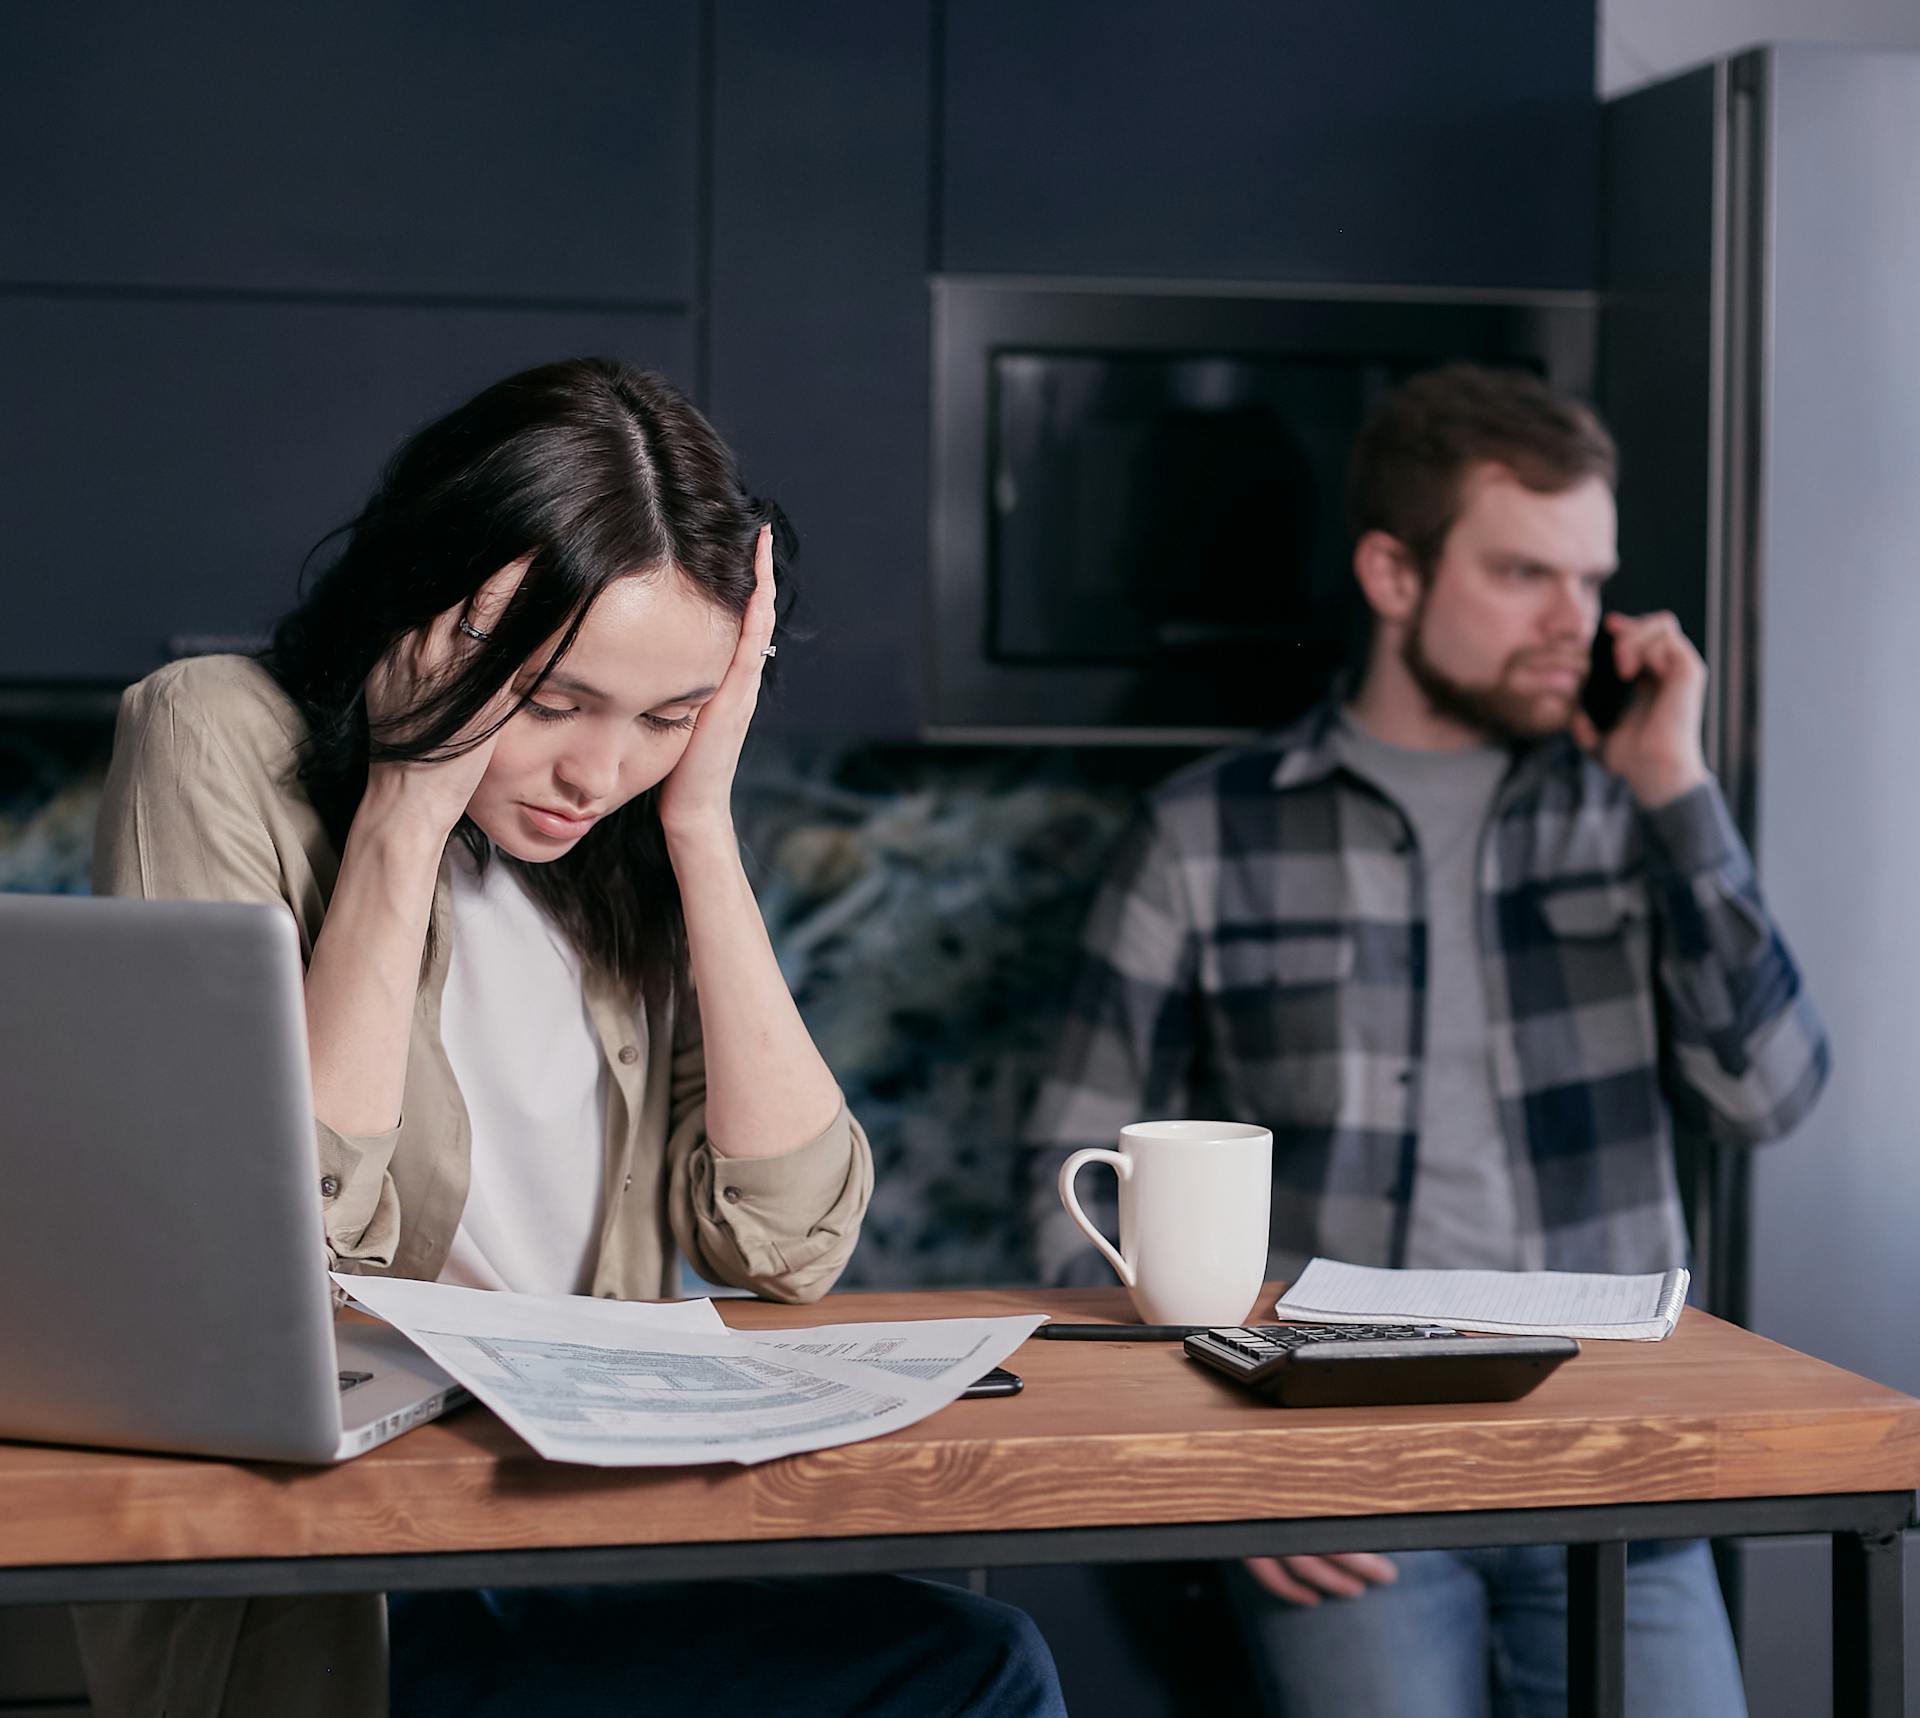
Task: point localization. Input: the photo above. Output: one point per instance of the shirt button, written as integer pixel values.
(731, 1195)
(629, 1053)
(329, 1187)
(627, 1185)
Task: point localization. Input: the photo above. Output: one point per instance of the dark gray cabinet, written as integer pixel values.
(168, 463)
(369, 146)
(819, 331)
(244, 250)
(1415, 142)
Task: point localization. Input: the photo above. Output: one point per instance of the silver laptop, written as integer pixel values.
(162, 1267)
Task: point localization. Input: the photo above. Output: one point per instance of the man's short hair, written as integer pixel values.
(1421, 440)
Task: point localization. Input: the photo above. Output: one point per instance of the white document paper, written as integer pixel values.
(621, 1384)
(1509, 1303)
(405, 1297)
(934, 1350)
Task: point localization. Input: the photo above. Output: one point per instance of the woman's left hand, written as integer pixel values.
(697, 794)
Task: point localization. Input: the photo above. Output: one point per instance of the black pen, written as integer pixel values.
(1122, 1332)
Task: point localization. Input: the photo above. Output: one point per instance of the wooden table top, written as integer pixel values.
(1105, 1434)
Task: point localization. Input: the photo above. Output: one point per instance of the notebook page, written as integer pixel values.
(1534, 1303)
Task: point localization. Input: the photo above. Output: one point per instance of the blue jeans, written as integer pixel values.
(866, 1645)
(1483, 1634)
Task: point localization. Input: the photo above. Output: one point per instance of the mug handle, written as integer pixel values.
(1123, 1168)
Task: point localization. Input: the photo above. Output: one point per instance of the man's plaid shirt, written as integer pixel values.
(1257, 953)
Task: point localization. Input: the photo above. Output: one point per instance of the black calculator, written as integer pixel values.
(1354, 1365)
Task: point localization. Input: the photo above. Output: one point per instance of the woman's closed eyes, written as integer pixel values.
(662, 724)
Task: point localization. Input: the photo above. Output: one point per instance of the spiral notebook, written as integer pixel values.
(1509, 1303)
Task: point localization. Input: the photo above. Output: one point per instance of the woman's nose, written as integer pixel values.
(591, 768)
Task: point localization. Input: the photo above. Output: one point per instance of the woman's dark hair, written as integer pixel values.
(598, 471)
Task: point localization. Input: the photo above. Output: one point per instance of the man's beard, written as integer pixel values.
(1497, 710)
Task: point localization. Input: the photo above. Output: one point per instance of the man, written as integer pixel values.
(1469, 959)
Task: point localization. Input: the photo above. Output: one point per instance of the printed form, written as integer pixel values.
(1517, 1303)
(625, 1384)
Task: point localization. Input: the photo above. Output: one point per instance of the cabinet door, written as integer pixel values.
(385, 146)
(818, 358)
(1435, 142)
(169, 463)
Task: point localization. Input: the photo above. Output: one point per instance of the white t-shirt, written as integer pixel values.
(515, 1026)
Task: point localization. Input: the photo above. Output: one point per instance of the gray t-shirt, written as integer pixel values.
(1464, 1212)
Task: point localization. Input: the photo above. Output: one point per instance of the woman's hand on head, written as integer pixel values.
(697, 795)
(431, 798)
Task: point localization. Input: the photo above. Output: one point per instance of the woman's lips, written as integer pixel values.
(561, 824)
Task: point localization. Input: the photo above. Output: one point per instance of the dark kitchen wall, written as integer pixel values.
(244, 249)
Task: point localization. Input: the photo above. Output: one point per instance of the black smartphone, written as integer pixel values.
(998, 1382)
(1605, 695)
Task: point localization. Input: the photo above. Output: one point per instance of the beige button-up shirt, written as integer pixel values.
(201, 803)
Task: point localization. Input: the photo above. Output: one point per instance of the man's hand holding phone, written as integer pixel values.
(1655, 740)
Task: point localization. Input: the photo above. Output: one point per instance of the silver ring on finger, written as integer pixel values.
(769, 650)
(473, 631)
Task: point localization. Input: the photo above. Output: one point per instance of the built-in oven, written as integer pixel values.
(1137, 519)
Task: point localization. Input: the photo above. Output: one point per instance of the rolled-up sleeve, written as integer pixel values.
(358, 1201)
(782, 1226)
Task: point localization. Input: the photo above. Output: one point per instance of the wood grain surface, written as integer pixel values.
(1106, 1433)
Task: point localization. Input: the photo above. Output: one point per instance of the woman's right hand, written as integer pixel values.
(431, 798)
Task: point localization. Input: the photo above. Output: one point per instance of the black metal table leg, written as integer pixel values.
(1597, 1630)
(1868, 1644)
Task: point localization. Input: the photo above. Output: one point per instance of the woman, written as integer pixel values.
(487, 765)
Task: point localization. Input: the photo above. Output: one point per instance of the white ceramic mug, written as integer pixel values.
(1194, 1202)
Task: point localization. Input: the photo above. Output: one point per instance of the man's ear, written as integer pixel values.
(1389, 580)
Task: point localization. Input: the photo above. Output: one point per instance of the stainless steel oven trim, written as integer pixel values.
(1128, 286)
(971, 315)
